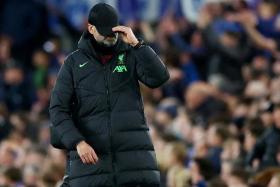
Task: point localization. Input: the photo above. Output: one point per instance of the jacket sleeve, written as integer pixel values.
(150, 70)
(60, 108)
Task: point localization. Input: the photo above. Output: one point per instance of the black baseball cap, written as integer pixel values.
(104, 17)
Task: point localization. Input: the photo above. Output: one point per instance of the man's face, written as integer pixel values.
(106, 41)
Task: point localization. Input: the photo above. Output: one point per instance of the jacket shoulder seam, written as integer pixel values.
(71, 56)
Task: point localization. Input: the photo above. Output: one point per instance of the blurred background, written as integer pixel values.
(215, 123)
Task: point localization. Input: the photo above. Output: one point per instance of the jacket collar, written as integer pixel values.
(85, 45)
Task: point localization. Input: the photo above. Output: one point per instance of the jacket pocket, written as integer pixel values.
(87, 102)
(78, 169)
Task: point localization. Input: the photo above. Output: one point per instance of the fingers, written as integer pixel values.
(92, 159)
(94, 155)
(120, 29)
(83, 159)
(88, 158)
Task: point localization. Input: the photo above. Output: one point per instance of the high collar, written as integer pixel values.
(86, 43)
(102, 50)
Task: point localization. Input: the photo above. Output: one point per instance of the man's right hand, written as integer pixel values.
(86, 153)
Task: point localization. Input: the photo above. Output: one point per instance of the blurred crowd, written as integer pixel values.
(215, 123)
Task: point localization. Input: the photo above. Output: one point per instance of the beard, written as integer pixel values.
(109, 42)
(105, 46)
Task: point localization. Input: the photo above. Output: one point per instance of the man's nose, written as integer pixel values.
(112, 35)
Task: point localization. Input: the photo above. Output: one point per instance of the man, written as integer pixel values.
(96, 107)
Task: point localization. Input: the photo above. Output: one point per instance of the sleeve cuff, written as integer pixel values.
(70, 139)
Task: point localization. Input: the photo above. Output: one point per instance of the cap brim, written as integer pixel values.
(105, 31)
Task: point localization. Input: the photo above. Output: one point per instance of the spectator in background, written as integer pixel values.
(200, 172)
(178, 175)
(232, 151)
(21, 128)
(203, 103)
(16, 92)
(42, 66)
(268, 18)
(51, 175)
(165, 114)
(25, 23)
(227, 167)
(266, 35)
(228, 50)
(198, 143)
(40, 61)
(55, 51)
(265, 150)
(252, 131)
(216, 136)
(7, 155)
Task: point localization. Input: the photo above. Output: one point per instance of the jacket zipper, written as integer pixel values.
(109, 119)
(109, 114)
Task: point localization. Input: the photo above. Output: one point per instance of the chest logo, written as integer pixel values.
(83, 64)
(121, 58)
(120, 68)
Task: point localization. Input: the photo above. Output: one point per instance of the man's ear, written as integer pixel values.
(91, 29)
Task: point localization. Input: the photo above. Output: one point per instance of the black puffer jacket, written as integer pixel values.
(102, 105)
